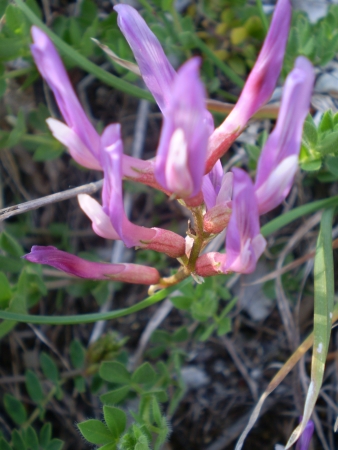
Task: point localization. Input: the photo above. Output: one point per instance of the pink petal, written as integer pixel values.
(258, 87)
(130, 273)
(51, 68)
(100, 221)
(75, 145)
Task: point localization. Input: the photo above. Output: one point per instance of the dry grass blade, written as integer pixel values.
(121, 62)
(278, 378)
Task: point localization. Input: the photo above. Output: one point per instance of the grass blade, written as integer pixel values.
(323, 309)
(84, 63)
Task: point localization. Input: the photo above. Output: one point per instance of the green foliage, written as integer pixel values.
(318, 42)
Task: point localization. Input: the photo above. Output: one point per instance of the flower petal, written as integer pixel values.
(157, 72)
(130, 273)
(100, 221)
(275, 188)
(51, 68)
(75, 145)
(185, 132)
(258, 87)
(285, 140)
(244, 243)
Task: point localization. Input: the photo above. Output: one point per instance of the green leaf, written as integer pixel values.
(156, 412)
(331, 163)
(49, 368)
(10, 245)
(115, 419)
(114, 372)
(45, 434)
(182, 302)
(15, 20)
(77, 354)
(144, 374)
(326, 123)
(18, 131)
(115, 396)
(181, 334)
(329, 144)
(224, 326)
(17, 441)
(31, 439)
(15, 409)
(5, 291)
(311, 166)
(323, 307)
(34, 387)
(110, 446)
(95, 432)
(310, 135)
(4, 445)
(80, 384)
(55, 444)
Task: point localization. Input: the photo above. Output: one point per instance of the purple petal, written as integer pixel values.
(51, 68)
(264, 75)
(285, 140)
(112, 194)
(130, 273)
(156, 70)
(303, 442)
(259, 85)
(244, 243)
(184, 132)
(225, 191)
(211, 185)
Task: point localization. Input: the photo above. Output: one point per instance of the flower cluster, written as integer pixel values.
(187, 165)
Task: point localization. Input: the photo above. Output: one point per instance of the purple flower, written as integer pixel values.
(130, 273)
(157, 72)
(258, 87)
(244, 243)
(79, 136)
(278, 161)
(180, 160)
(305, 439)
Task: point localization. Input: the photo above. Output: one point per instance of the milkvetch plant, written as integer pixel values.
(187, 165)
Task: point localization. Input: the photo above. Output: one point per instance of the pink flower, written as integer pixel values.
(278, 161)
(129, 273)
(258, 87)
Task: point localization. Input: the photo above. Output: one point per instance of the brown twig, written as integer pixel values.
(53, 198)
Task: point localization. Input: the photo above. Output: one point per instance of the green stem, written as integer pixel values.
(262, 15)
(94, 317)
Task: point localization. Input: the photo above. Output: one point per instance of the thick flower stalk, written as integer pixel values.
(187, 164)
